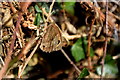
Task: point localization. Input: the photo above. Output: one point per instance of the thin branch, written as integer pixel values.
(2, 61)
(27, 47)
(96, 4)
(46, 14)
(71, 62)
(116, 57)
(77, 69)
(25, 50)
(51, 7)
(8, 57)
(106, 39)
(28, 59)
(89, 44)
(12, 7)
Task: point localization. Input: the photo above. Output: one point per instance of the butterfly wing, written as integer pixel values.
(52, 39)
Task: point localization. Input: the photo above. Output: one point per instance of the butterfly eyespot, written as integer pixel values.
(43, 46)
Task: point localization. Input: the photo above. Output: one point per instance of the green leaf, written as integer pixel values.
(85, 43)
(38, 9)
(91, 52)
(84, 73)
(109, 60)
(80, 48)
(110, 70)
(38, 19)
(69, 7)
(78, 51)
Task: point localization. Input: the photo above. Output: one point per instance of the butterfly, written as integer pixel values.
(52, 39)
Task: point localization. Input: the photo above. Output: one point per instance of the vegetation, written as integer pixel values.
(59, 40)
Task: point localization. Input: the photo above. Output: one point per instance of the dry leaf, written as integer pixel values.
(70, 27)
(7, 16)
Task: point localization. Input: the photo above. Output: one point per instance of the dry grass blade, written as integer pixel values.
(28, 59)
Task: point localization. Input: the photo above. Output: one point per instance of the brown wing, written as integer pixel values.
(52, 39)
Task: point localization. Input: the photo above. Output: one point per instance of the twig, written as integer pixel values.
(46, 14)
(2, 61)
(27, 47)
(24, 51)
(71, 62)
(12, 7)
(8, 57)
(116, 2)
(71, 37)
(1, 35)
(51, 6)
(116, 57)
(105, 44)
(19, 40)
(89, 44)
(115, 16)
(28, 59)
(96, 4)
(113, 8)
(21, 36)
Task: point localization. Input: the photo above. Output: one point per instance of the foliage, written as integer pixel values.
(69, 7)
(84, 73)
(24, 25)
(110, 67)
(79, 49)
(37, 19)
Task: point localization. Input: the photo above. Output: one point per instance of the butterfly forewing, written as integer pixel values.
(52, 39)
